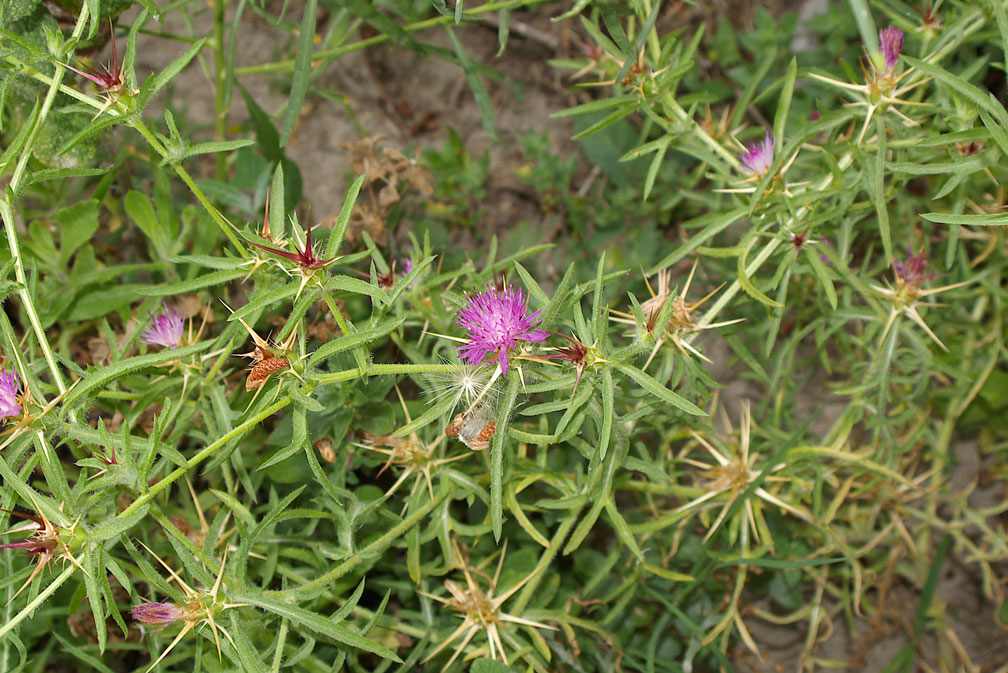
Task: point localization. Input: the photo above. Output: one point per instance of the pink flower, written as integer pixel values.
(165, 329)
(9, 394)
(759, 156)
(159, 615)
(891, 44)
(496, 320)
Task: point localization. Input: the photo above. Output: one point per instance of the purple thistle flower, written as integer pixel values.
(407, 266)
(758, 158)
(166, 329)
(8, 394)
(157, 614)
(496, 320)
(914, 271)
(891, 44)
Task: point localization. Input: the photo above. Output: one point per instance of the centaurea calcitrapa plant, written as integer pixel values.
(237, 437)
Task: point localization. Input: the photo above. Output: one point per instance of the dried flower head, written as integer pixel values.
(158, 615)
(165, 329)
(9, 385)
(481, 610)
(891, 45)
(496, 321)
(758, 158)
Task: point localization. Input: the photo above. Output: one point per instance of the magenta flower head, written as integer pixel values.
(9, 394)
(496, 321)
(758, 158)
(158, 615)
(891, 45)
(165, 329)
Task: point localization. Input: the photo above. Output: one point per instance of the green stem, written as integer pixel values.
(203, 455)
(288, 66)
(156, 145)
(49, 590)
(7, 210)
(378, 370)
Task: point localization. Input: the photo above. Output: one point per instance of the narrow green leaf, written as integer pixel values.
(878, 188)
(317, 623)
(217, 146)
(302, 72)
(784, 103)
(339, 231)
(189, 286)
(993, 220)
(476, 84)
(648, 383)
(348, 341)
(497, 457)
(748, 285)
(151, 87)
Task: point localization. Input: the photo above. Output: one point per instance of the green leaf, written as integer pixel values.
(822, 274)
(784, 104)
(277, 205)
(77, 224)
(302, 71)
(748, 285)
(141, 210)
(997, 131)
(348, 341)
(216, 146)
(476, 84)
(266, 134)
(357, 286)
(316, 623)
(595, 106)
(101, 378)
(878, 189)
(650, 384)
(339, 231)
(116, 526)
(188, 286)
(385, 26)
(992, 220)
(497, 457)
(158, 82)
(485, 665)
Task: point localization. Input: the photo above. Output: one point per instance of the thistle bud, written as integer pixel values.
(157, 614)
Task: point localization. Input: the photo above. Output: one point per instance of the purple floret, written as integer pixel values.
(891, 44)
(496, 320)
(165, 329)
(9, 394)
(157, 614)
(759, 156)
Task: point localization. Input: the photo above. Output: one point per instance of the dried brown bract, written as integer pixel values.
(390, 174)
